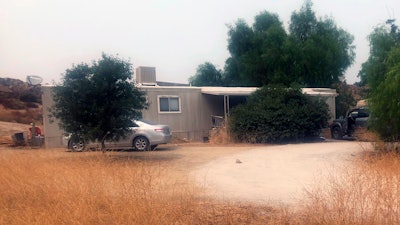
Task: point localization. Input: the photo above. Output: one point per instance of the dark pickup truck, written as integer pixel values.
(343, 128)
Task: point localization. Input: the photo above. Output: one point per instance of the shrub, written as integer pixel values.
(32, 105)
(278, 114)
(29, 97)
(12, 103)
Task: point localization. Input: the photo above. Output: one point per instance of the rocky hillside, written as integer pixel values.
(20, 102)
(16, 94)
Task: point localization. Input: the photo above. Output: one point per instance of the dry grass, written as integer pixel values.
(367, 193)
(24, 116)
(220, 136)
(363, 134)
(57, 187)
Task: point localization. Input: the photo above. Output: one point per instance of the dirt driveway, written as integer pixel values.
(277, 174)
(257, 173)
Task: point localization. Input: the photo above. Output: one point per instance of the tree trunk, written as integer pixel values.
(103, 146)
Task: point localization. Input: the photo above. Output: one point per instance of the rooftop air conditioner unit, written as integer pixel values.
(146, 76)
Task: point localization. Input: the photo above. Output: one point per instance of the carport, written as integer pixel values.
(232, 93)
(232, 96)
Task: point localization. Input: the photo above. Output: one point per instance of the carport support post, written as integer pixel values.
(226, 109)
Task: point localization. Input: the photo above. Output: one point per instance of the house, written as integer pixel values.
(191, 112)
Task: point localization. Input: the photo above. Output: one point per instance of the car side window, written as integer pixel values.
(363, 113)
(354, 114)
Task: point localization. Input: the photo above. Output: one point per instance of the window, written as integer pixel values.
(169, 104)
(363, 113)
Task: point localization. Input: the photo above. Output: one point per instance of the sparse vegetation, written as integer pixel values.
(19, 102)
(57, 187)
(16, 94)
(367, 193)
(24, 116)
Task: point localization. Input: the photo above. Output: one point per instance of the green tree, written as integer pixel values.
(385, 101)
(99, 100)
(231, 76)
(206, 75)
(315, 52)
(278, 114)
(382, 74)
(256, 52)
(345, 99)
(320, 51)
(382, 40)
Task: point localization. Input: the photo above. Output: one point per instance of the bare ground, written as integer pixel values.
(276, 174)
(240, 172)
(7, 129)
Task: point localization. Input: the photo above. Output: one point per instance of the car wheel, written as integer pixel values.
(336, 133)
(77, 145)
(141, 143)
(153, 147)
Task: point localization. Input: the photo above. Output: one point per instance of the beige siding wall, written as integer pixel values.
(193, 122)
(53, 133)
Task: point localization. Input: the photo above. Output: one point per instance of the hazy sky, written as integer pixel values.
(45, 37)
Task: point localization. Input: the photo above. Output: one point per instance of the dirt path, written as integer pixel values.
(275, 173)
(184, 158)
(254, 173)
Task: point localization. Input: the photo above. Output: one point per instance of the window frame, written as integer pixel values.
(159, 97)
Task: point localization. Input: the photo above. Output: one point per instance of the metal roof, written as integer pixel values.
(245, 91)
(320, 91)
(231, 91)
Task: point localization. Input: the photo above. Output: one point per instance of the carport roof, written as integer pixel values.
(245, 91)
(231, 91)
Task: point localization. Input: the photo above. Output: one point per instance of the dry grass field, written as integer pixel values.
(59, 187)
(368, 193)
(23, 116)
(53, 186)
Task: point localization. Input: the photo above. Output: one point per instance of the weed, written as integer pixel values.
(366, 193)
(53, 187)
(58, 187)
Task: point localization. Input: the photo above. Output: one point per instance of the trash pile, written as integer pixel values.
(33, 137)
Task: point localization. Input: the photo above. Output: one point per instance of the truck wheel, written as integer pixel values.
(77, 145)
(336, 133)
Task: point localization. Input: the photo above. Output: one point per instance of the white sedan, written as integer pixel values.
(144, 136)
